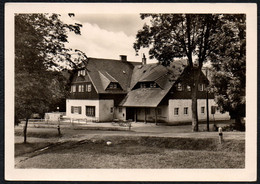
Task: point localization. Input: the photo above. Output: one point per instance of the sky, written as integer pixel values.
(107, 35)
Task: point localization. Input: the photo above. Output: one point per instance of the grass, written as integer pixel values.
(137, 152)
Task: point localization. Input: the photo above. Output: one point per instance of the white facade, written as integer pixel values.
(120, 113)
(103, 109)
(180, 111)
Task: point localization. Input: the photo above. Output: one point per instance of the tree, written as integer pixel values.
(229, 68)
(192, 36)
(39, 53)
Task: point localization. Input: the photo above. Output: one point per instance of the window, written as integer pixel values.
(176, 111)
(88, 87)
(75, 109)
(81, 72)
(202, 110)
(188, 88)
(142, 85)
(120, 109)
(73, 88)
(90, 111)
(81, 88)
(113, 85)
(179, 87)
(153, 85)
(201, 87)
(111, 109)
(185, 110)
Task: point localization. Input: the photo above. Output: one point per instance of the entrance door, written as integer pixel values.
(130, 113)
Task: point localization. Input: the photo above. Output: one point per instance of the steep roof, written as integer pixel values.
(165, 77)
(103, 71)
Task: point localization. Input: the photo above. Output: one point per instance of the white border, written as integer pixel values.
(247, 174)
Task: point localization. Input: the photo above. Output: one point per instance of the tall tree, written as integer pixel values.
(39, 53)
(192, 36)
(229, 68)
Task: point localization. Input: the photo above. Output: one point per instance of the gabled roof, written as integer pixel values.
(103, 71)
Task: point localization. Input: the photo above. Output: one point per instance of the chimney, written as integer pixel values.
(143, 60)
(123, 58)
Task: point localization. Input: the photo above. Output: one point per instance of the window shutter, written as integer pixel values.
(72, 109)
(79, 110)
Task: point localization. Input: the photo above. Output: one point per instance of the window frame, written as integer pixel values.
(179, 87)
(90, 111)
(73, 109)
(202, 109)
(142, 85)
(88, 88)
(186, 110)
(81, 87)
(74, 88)
(176, 111)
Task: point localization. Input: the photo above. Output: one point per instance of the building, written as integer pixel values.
(106, 90)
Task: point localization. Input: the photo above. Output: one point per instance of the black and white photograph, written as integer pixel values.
(130, 92)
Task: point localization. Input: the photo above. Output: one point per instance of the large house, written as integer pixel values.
(106, 90)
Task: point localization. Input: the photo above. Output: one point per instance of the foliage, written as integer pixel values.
(229, 67)
(172, 36)
(40, 53)
(200, 38)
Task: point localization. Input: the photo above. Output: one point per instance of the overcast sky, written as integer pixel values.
(107, 35)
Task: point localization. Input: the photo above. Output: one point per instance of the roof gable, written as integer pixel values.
(104, 71)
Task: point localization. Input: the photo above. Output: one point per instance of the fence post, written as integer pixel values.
(220, 133)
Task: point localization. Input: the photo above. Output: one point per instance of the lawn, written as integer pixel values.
(134, 152)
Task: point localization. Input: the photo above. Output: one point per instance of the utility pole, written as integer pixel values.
(207, 101)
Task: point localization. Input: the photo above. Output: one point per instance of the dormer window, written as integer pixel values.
(142, 85)
(113, 85)
(179, 87)
(81, 72)
(153, 85)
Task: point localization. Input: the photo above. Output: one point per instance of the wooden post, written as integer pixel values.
(207, 102)
(220, 133)
(25, 131)
(135, 116)
(155, 116)
(145, 115)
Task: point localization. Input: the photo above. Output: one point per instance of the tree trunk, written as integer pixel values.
(195, 125)
(194, 102)
(25, 130)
